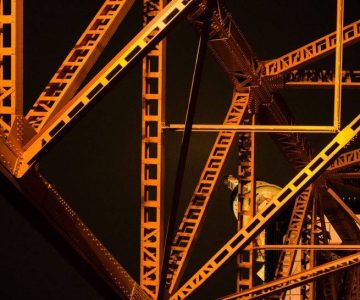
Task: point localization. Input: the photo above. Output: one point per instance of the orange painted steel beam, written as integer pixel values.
(246, 177)
(194, 216)
(323, 247)
(262, 218)
(345, 160)
(320, 79)
(298, 279)
(293, 235)
(310, 288)
(344, 226)
(134, 50)
(11, 62)
(152, 159)
(78, 62)
(236, 58)
(255, 128)
(10, 151)
(45, 198)
(185, 140)
(312, 51)
(338, 63)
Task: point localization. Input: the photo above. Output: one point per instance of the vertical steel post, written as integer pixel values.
(152, 159)
(338, 62)
(246, 204)
(11, 61)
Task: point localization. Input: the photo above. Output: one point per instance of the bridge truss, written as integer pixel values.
(315, 193)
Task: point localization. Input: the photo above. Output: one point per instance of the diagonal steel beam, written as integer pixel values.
(345, 160)
(298, 279)
(44, 197)
(78, 62)
(293, 235)
(233, 53)
(312, 51)
(262, 218)
(195, 213)
(338, 199)
(136, 49)
(185, 142)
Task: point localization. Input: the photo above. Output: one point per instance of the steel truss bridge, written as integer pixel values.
(329, 270)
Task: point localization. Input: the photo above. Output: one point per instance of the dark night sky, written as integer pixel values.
(96, 166)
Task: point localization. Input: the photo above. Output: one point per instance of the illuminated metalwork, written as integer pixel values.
(297, 279)
(195, 212)
(243, 237)
(152, 163)
(293, 235)
(312, 51)
(256, 128)
(11, 62)
(256, 86)
(45, 198)
(247, 205)
(78, 63)
(320, 79)
(122, 61)
(345, 160)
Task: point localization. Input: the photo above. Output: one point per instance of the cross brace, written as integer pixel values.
(262, 218)
(298, 279)
(78, 63)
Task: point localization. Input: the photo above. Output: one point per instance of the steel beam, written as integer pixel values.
(45, 198)
(293, 235)
(185, 142)
(323, 79)
(137, 48)
(343, 205)
(78, 62)
(262, 218)
(247, 204)
(338, 63)
(345, 160)
(255, 128)
(298, 279)
(194, 216)
(152, 159)
(312, 51)
(11, 62)
(323, 247)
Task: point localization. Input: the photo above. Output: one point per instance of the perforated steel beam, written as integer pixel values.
(320, 79)
(45, 198)
(78, 62)
(345, 160)
(247, 205)
(298, 279)
(262, 218)
(196, 211)
(293, 235)
(152, 159)
(312, 51)
(139, 46)
(11, 62)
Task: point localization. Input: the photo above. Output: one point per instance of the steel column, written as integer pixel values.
(152, 159)
(11, 62)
